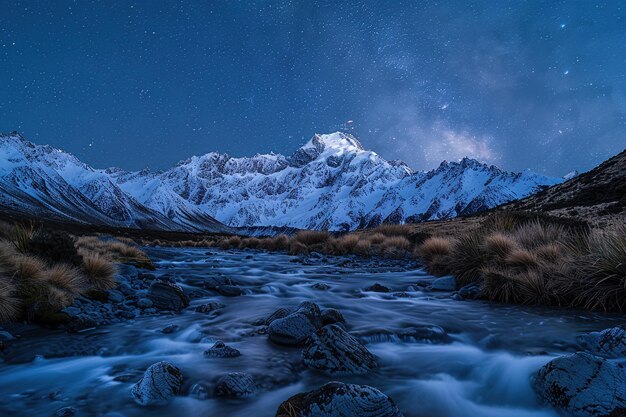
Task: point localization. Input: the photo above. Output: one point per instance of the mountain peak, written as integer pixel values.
(337, 140)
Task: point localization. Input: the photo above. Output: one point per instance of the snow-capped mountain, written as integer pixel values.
(331, 182)
(47, 182)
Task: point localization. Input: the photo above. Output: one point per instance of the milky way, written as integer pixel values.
(521, 84)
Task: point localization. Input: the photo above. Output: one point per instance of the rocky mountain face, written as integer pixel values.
(331, 182)
(598, 195)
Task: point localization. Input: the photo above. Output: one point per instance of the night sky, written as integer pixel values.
(522, 84)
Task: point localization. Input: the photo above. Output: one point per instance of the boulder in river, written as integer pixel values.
(159, 384)
(337, 399)
(229, 290)
(610, 343)
(221, 350)
(470, 291)
(447, 283)
(377, 288)
(235, 385)
(333, 351)
(296, 327)
(583, 385)
(332, 316)
(167, 296)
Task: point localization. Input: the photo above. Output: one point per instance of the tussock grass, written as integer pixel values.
(43, 271)
(99, 271)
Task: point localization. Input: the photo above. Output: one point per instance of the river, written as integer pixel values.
(438, 357)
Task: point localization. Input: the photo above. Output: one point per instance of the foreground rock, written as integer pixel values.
(159, 384)
(447, 283)
(333, 351)
(294, 328)
(583, 385)
(167, 296)
(221, 350)
(337, 399)
(610, 343)
(236, 385)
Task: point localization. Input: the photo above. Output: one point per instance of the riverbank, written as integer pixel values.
(464, 356)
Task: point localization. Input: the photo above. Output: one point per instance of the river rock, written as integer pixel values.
(167, 296)
(294, 328)
(321, 286)
(583, 385)
(470, 292)
(116, 296)
(65, 412)
(221, 350)
(337, 399)
(144, 303)
(229, 290)
(159, 384)
(209, 307)
(212, 283)
(235, 385)
(609, 343)
(278, 314)
(447, 283)
(332, 316)
(199, 392)
(333, 351)
(377, 288)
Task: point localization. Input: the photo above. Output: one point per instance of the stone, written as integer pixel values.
(278, 314)
(65, 412)
(212, 283)
(334, 351)
(295, 328)
(199, 392)
(470, 292)
(583, 385)
(116, 296)
(609, 343)
(337, 399)
(209, 307)
(81, 323)
(159, 384)
(221, 350)
(170, 329)
(229, 290)
(332, 316)
(235, 385)
(377, 288)
(144, 303)
(447, 283)
(125, 289)
(166, 296)
(321, 286)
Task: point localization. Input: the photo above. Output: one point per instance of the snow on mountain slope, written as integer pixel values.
(45, 181)
(331, 182)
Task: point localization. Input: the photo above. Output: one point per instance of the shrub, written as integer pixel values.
(433, 247)
(311, 237)
(66, 278)
(298, 248)
(467, 257)
(535, 234)
(363, 247)
(391, 230)
(23, 234)
(100, 272)
(499, 245)
(347, 243)
(54, 247)
(521, 258)
(9, 301)
(376, 238)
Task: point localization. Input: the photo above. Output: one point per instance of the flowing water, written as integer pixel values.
(482, 367)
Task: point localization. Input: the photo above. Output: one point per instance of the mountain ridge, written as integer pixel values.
(331, 182)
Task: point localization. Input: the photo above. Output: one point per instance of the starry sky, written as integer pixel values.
(144, 84)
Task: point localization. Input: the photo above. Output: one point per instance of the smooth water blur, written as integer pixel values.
(481, 370)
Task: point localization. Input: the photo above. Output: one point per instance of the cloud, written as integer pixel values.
(451, 145)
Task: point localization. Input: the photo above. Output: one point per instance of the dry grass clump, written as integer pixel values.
(391, 230)
(113, 250)
(42, 271)
(312, 237)
(99, 271)
(530, 260)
